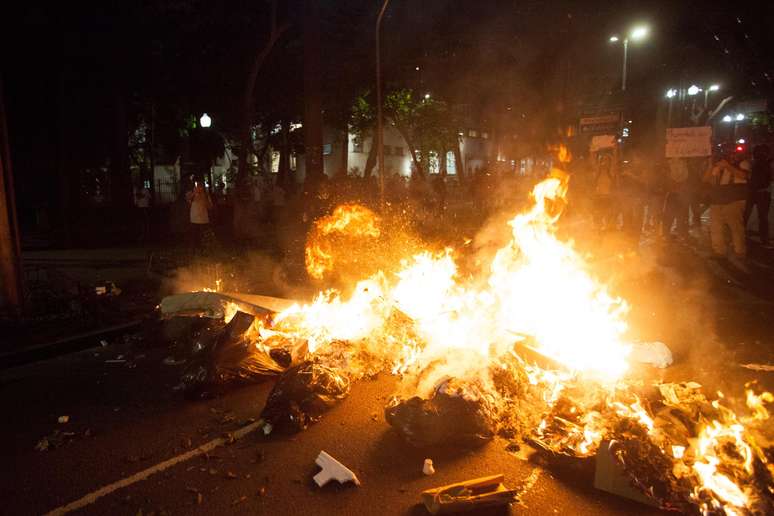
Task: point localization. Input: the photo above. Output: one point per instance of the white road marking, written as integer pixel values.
(142, 475)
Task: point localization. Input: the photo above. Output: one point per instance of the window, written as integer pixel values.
(399, 151)
(357, 145)
(485, 135)
(387, 150)
(451, 165)
(275, 156)
(473, 133)
(327, 149)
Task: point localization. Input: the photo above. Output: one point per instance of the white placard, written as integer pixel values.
(688, 142)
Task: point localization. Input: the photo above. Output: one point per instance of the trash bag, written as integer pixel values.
(222, 355)
(302, 395)
(458, 413)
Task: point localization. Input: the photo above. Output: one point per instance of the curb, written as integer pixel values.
(63, 346)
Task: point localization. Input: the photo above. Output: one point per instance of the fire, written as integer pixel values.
(427, 321)
(350, 220)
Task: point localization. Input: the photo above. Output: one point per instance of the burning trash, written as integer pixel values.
(529, 345)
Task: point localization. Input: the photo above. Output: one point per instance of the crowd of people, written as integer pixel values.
(672, 195)
(661, 196)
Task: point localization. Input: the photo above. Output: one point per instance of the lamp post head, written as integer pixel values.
(205, 120)
(671, 92)
(727, 118)
(639, 33)
(740, 117)
(714, 87)
(693, 90)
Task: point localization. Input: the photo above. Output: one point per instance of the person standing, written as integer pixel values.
(727, 201)
(200, 204)
(759, 195)
(142, 199)
(676, 203)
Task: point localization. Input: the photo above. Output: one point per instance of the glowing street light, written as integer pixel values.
(636, 34)
(727, 118)
(693, 90)
(639, 33)
(714, 87)
(427, 96)
(671, 93)
(739, 117)
(205, 120)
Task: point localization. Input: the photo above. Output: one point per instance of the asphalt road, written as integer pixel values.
(126, 417)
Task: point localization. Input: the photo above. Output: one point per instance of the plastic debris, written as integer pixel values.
(655, 353)
(427, 467)
(63, 419)
(472, 494)
(333, 470)
(458, 413)
(222, 355)
(302, 395)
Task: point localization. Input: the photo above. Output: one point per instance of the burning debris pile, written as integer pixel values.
(530, 347)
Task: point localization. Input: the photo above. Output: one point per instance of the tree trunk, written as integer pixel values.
(283, 170)
(313, 139)
(120, 181)
(247, 96)
(10, 251)
(371, 159)
(412, 149)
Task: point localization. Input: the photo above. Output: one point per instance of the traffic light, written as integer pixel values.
(740, 148)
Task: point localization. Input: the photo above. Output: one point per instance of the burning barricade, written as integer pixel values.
(530, 347)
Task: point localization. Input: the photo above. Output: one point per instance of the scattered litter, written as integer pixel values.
(333, 470)
(170, 361)
(231, 475)
(54, 440)
(63, 419)
(767, 368)
(103, 342)
(427, 467)
(654, 353)
(239, 500)
(610, 476)
(468, 495)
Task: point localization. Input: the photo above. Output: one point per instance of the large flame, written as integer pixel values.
(538, 291)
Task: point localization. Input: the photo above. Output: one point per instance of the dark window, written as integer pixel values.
(327, 149)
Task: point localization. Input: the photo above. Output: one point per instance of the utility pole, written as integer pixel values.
(379, 124)
(10, 254)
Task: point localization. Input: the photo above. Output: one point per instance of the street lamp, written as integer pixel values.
(379, 127)
(205, 121)
(636, 34)
(727, 118)
(671, 92)
(739, 117)
(693, 90)
(713, 87)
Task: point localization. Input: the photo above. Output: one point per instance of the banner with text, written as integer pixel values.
(688, 142)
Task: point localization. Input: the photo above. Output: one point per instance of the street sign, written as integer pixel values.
(688, 142)
(603, 123)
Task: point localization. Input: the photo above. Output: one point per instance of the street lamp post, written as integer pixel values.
(707, 91)
(636, 34)
(379, 127)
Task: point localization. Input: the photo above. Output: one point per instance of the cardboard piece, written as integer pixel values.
(468, 495)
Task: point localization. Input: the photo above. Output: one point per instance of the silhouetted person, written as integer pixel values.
(200, 204)
(727, 200)
(759, 195)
